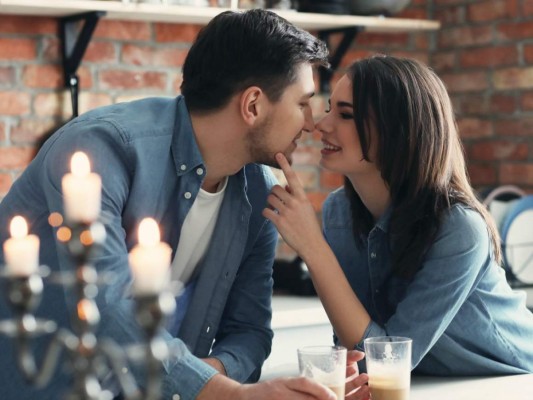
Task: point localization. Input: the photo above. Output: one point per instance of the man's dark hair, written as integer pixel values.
(237, 50)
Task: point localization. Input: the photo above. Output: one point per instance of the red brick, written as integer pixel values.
(317, 199)
(306, 155)
(423, 57)
(28, 25)
(521, 126)
(15, 157)
(421, 41)
(497, 150)
(465, 36)
(527, 7)
(183, 33)
(528, 53)
(50, 49)
(384, 40)
(474, 127)
(515, 30)
(7, 76)
(330, 180)
(353, 55)
(413, 13)
(123, 30)
(2, 131)
(450, 15)
(308, 177)
(489, 57)
(513, 78)
(122, 79)
(28, 131)
(443, 61)
(150, 56)
(17, 49)
(5, 184)
(447, 2)
(526, 101)
(100, 52)
(466, 82)
(14, 103)
(517, 174)
(502, 103)
(482, 174)
(43, 76)
(90, 101)
(492, 10)
(474, 104)
(54, 104)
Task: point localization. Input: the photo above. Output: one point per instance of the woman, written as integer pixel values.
(406, 249)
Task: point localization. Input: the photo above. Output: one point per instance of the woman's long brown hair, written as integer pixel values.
(420, 155)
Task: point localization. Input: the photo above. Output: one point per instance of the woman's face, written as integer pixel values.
(341, 150)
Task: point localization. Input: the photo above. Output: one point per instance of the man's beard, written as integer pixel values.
(258, 147)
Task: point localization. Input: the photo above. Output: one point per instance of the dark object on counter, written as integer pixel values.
(293, 277)
(324, 6)
(377, 7)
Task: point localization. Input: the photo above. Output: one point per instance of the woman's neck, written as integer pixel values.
(373, 192)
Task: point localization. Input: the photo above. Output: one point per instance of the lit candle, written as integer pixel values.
(21, 251)
(81, 190)
(150, 260)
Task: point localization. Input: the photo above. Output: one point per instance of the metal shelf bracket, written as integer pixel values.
(74, 42)
(349, 35)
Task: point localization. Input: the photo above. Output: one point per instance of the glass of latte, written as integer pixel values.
(388, 364)
(326, 365)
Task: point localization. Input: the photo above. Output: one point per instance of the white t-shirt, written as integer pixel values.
(196, 232)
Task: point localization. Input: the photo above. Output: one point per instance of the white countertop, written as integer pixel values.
(297, 311)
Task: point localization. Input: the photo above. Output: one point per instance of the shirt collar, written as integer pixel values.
(184, 147)
(384, 221)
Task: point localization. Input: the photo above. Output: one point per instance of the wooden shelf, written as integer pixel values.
(202, 15)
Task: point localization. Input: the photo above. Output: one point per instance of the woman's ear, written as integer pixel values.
(252, 104)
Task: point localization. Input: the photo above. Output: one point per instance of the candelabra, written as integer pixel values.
(90, 357)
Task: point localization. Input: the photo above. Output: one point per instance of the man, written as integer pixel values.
(190, 163)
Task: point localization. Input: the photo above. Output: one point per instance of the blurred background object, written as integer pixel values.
(377, 7)
(324, 6)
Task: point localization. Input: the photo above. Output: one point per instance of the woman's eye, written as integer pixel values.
(346, 116)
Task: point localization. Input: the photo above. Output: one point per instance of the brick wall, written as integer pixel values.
(483, 53)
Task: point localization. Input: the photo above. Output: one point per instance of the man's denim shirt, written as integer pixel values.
(459, 310)
(150, 164)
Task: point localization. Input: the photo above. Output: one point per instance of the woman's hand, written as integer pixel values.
(356, 384)
(293, 214)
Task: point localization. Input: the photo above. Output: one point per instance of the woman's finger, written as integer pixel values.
(290, 175)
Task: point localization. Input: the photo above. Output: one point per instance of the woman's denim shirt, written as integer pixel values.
(459, 310)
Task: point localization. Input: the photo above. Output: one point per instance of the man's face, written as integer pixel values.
(284, 121)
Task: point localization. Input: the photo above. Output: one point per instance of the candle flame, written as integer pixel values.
(18, 227)
(79, 164)
(149, 232)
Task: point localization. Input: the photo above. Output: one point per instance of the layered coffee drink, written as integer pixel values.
(388, 391)
(383, 388)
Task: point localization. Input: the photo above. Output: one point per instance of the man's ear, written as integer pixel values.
(252, 104)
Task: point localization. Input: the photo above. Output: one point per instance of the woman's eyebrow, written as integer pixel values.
(344, 104)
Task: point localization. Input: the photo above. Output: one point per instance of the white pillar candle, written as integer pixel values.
(21, 251)
(82, 190)
(150, 260)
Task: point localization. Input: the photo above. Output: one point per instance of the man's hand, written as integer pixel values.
(222, 388)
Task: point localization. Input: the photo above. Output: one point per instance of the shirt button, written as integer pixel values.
(176, 397)
(183, 167)
(187, 195)
(208, 329)
(373, 255)
(199, 171)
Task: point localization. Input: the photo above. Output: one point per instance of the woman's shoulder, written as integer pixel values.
(336, 208)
